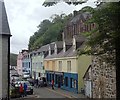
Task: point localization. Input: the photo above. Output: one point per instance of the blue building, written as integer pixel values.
(26, 63)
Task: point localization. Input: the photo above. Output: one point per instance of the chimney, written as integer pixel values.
(64, 48)
(55, 48)
(74, 43)
(58, 46)
(75, 13)
(49, 50)
(66, 45)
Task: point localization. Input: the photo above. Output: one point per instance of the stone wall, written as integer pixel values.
(103, 79)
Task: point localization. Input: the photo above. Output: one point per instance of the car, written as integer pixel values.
(29, 86)
(31, 81)
(42, 82)
(14, 92)
(26, 75)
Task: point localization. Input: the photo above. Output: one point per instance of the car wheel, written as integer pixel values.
(31, 92)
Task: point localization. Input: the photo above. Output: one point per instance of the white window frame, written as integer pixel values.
(60, 65)
(68, 66)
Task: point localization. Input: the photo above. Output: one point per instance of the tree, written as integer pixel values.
(13, 59)
(48, 31)
(74, 2)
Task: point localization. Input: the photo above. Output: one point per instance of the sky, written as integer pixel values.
(25, 15)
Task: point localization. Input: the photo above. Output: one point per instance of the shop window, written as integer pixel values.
(50, 77)
(61, 79)
(70, 82)
(66, 81)
(74, 83)
(56, 79)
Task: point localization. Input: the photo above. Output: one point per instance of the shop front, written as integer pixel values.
(56, 76)
(59, 79)
(70, 82)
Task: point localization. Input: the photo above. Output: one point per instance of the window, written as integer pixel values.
(68, 66)
(29, 64)
(47, 64)
(66, 81)
(56, 79)
(53, 65)
(72, 83)
(41, 65)
(39, 75)
(60, 65)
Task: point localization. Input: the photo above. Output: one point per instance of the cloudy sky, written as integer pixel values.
(25, 15)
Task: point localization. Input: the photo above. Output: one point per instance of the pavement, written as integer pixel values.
(66, 93)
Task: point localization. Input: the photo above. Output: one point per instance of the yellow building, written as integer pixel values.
(65, 67)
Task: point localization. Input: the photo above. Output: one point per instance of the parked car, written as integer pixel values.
(31, 81)
(29, 87)
(42, 82)
(26, 75)
(14, 92)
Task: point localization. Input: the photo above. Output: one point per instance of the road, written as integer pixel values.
(44, 92)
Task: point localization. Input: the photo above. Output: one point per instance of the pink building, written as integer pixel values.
(19, 61)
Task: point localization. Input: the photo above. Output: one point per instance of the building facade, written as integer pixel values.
(4, 53)
(20, 61)
(37, 62)
(26, 63)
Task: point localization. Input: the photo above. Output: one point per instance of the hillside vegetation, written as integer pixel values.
(13, 59)
(48, 31)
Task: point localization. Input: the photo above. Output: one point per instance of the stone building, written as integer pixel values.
(103, 78)
(4, 52)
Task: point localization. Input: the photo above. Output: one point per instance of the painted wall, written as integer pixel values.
(19, 63)
(27, 64)
(50, 65)
(53, 64)
(72, 86)
(3, 66)
(83, 63)
(37, 64)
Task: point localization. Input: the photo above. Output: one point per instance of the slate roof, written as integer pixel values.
(43, 48)
(4, 25)
(79, 38)
(59, 44)
(82, 16)
(69, 53)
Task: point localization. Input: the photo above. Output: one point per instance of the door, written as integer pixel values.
(58, 81)
(88, 91)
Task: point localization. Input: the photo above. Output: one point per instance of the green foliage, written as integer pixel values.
(104, 39)
(13, 59)
(48, 3)
(48, 31)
